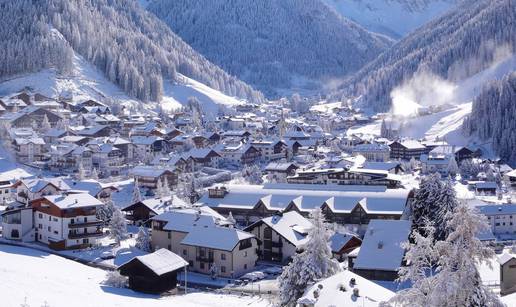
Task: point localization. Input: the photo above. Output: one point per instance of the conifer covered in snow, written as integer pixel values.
(137, 197)
(143, 241)
(452, 168)
(105, 212)
(117, 226)
(45, 124)
(231, 219)
(313, 263)
(81, 172)
(252, 174)
(94, 174)
(444, 273)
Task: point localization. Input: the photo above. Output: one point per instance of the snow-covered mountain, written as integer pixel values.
(395, 18)
(464, 42)
(129, 46)
(297, 45)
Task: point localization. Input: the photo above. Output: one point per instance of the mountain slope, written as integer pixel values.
(131, 47)
(395, 18)
(273, 45)
(454, 47)
(492, 116)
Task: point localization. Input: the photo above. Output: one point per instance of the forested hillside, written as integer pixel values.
(455, 46)
(272, 44)
(132, 47)
(493, 116)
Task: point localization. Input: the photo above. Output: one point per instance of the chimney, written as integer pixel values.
(356, 292)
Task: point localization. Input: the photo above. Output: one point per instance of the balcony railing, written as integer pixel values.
(85, 235)
(204, 258)
(85, 224)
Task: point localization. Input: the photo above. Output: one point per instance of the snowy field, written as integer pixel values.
(40, 277)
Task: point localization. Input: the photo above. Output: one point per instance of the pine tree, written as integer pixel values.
(94, 174)
(117, 226)
(45, 124)
(81, 172)
(313, 263)
(452, 168)
(165, 190)
(231, 219)
(143, 241)
(105, 212)
(426, 198)
(446, 205)
(137, 197)
(159, 188)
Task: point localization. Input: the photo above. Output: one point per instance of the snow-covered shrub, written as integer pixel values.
(114, 279)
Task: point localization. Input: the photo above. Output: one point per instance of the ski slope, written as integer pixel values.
(41, 278)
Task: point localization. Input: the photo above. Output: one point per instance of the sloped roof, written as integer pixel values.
(160, 262)
(216, 237)
(290, 225)
(74, 200)
(381, 248)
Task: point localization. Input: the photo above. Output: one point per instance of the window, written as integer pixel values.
(169, 247)
(245, 266)
(85, 219)
(169, 235)
(15, 233)
(190, 263)
(49, 218)
(185, 252)
(55, 232)
(85, 241)
(245, 254)
(49, 229)
(54, 219)
(40, 215)
(222, 256)
(223, 269)
(72, 221)
(497, 224)
(202, 265)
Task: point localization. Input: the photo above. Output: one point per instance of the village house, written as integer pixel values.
(341, 204)
(148, 176)
(148, 147)
(271, 150)
(407, 149)
(29, 189)
(69, 157)
(153, 273)
(343, 243)
(29, 149)
(199, 236)
(279, 171)
(99, 190)
(373, 152)
(507, 273)
(30, 116)
(381, 253)
(501, 218)
(281, 235)
(202, 157)
(238, 153)
(142, 211)
(106, 158)
(93, 131)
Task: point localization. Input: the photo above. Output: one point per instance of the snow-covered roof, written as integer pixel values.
(145, 140)
(161, 261)
(36, 185)
(383, 166)
(149, 171)
(412, 144)
(497, 209)
(290, 225)
(486, 185)
(338, 240)
(74, 200)
(279, 166)
(337, 290)
(505, 257)
(339, 198)
(90, 186)
(185, 220)
(31, 140)
(222, 238)
(160, 205)
(381, 248)
(371, 148)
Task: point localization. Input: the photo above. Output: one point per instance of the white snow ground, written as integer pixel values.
(86, 82)
(40, 277)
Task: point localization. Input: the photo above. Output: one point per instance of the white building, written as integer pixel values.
(373, 152)
(501, 218)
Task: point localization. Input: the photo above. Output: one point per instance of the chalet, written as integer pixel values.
(507, 273)
(74, 139)
(106, 158)
(30, 189)
(99, 190)
(341, 204)
(199, 236)
(29, 116)
(346, 176)
(153, 273)
(501, 218)
(279, 171)
(345, 289)
(271, 150)
(434, 163)
(391, 167)
(68, 157)
(29, 149)
(381, 253)
(407, 149)
(94, 131)
(343, 243)
(147, 129)
(6, 183)
(510, 178)
(238, 153)
(281, 235)
(67, 221)
(373, 152)
(147, 147)
(485, 187)
(12, 105)
(140, 212)
(238, 134)
(201, 157)
(149, 176)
